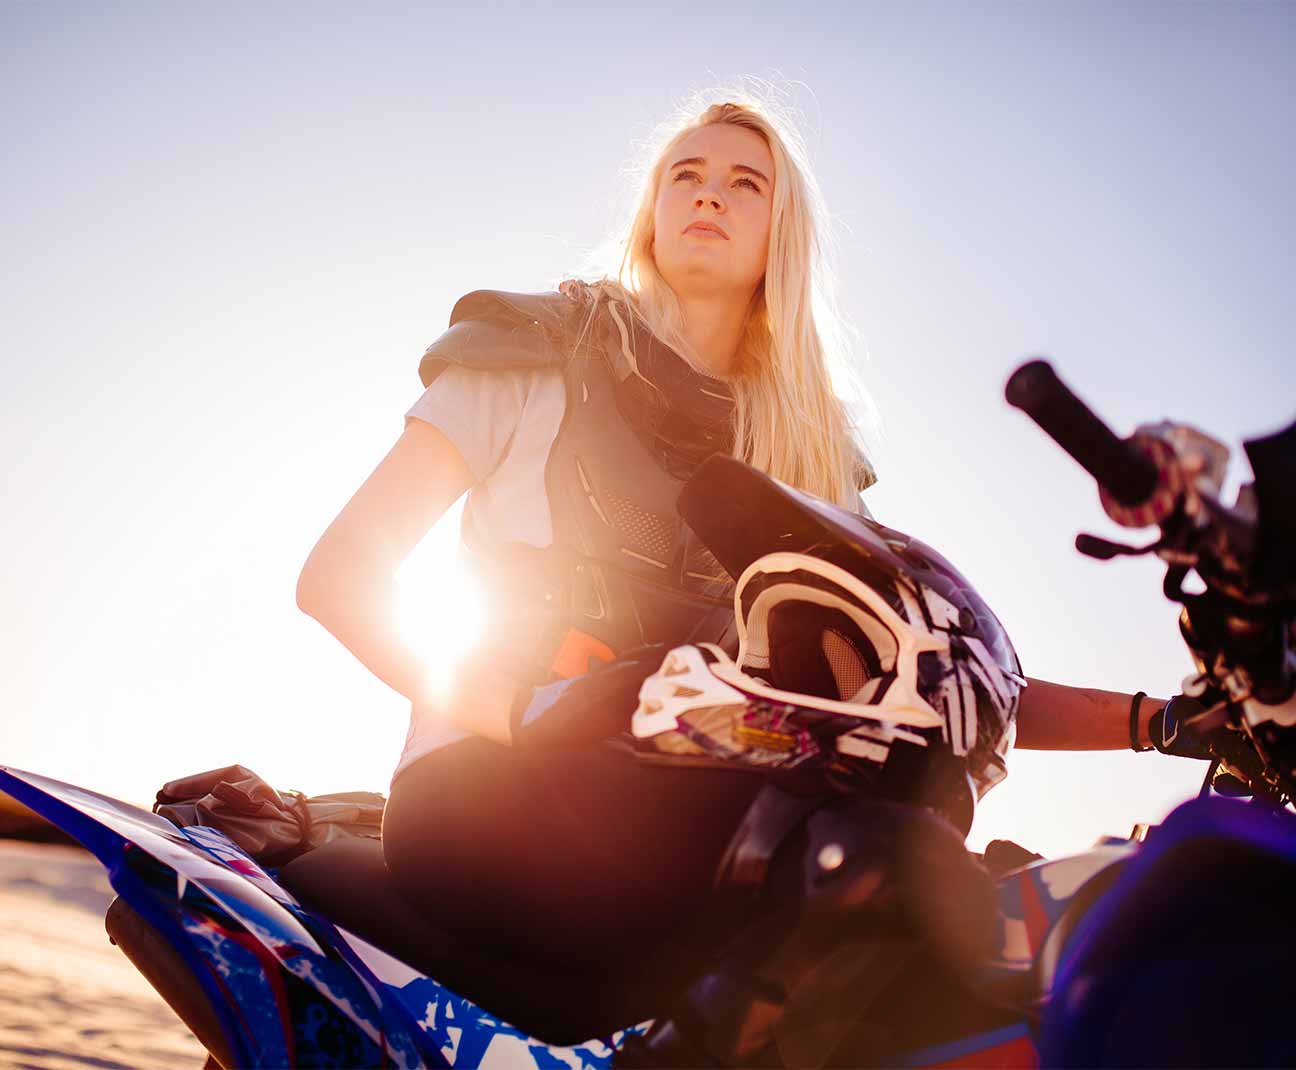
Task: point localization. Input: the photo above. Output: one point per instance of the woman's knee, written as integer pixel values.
(443, 815)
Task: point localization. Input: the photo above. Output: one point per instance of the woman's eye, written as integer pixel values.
(693, 176)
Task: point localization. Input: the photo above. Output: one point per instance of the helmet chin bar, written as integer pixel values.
(904, 705)
(687, 681)
(684, 682)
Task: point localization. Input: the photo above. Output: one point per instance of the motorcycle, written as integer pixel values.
(1170, 947)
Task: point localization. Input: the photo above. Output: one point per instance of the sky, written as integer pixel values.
(230, 231)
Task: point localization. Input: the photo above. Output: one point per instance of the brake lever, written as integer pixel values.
(1104, 549)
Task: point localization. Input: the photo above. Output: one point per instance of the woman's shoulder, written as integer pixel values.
(501, 330)
(548, 310)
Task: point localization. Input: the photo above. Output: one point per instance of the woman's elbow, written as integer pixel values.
(309, 588)
(317, 586)
(339, 575)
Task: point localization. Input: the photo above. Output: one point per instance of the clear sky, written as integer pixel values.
(230, 230)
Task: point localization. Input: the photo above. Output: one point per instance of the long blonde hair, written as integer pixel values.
(789, 419)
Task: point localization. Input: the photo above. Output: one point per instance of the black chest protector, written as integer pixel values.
(623, 570)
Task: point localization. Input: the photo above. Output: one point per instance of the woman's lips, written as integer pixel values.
(708, 229)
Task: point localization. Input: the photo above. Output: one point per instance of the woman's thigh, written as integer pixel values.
(558, 851)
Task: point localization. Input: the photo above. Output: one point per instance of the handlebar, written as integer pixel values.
(1119, 466)
(1241, 629)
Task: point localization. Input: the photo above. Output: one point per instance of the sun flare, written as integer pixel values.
(439, 605)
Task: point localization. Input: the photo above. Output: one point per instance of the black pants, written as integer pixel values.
(564, 889)
(559, 889)
(564, 854)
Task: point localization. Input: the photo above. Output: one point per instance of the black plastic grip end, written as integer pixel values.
(1122, 469)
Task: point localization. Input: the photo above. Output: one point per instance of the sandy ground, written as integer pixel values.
(68, 998)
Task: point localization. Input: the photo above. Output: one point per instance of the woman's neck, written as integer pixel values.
(713, 327)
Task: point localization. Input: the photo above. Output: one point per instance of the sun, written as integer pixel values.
(439, 605)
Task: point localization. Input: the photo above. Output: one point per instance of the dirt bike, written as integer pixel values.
(1168, 948)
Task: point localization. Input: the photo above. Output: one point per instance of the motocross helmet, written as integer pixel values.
(851, 636)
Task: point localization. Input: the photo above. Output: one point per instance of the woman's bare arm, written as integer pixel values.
(348, 583)
(1060, 717)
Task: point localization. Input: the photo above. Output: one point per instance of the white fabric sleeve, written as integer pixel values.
(477, 410)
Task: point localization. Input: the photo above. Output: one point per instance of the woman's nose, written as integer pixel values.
(710, 197)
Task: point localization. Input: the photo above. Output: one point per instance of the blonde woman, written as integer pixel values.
(572, 420)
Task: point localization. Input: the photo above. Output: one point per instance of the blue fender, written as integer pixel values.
(1187, 959)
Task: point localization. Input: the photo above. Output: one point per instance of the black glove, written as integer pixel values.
(585, 709)
(1164, 729)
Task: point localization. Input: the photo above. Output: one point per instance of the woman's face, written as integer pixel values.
(712, 213)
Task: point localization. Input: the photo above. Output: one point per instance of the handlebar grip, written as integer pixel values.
(1121, 468)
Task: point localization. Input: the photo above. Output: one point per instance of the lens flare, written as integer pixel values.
(439, 605)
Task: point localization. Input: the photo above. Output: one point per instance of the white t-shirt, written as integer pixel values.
(504, 423)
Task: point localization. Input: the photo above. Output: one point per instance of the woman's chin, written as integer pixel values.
(703, 274)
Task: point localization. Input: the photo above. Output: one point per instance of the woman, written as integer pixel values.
(566, 417)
